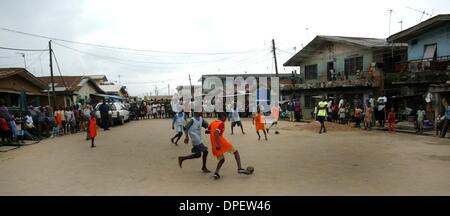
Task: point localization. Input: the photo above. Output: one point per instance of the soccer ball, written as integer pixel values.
(250, 169)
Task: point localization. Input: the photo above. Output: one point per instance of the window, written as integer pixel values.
(309, 101)
(429, 51)
(311, 72)
(352, 65)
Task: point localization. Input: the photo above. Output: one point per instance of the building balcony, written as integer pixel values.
(424, 65)
(321, 84)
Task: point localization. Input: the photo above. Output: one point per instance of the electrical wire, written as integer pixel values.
(123, 48)
(59, 70)
(19, 49)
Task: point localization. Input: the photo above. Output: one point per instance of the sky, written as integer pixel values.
(171, 40)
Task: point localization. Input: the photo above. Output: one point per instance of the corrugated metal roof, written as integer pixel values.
(425, 26)
(320, 40)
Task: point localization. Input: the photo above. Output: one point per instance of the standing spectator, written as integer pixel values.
(391, 121)
(5, 132)
(149, 110)
(59, 120)
(342, 114)
(447, 117)
(92, 129)
(420, 118)
(297, 110)
(87, 112)
(368, 117)
(9, 118)
(358, 112)
(381, 101)
(68, 114)
(290, 110)
(322, 113)
(76, 114)
(104, 113)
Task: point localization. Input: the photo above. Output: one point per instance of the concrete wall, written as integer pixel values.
(85, 91)
(337, 54)
(440, 36)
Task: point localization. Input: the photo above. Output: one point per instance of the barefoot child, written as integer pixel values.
(194, 130)
(258, 121)
(220, 145)
(391, 121)
(236, 120)
(178, 124)
(275, 113)
(92, 129)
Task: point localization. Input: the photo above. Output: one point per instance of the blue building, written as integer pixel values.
(427, 67)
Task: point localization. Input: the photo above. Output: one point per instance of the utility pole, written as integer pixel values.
(51, 74)
(401, 24)
(275, 56)
(390, 15)
(168, 89)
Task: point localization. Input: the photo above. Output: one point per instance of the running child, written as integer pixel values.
(220, 145)
(258, 121)
(92, 129)
(235, 120)
(194, 130)
(275, 113)
(178, 125)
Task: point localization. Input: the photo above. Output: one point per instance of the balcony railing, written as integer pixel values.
(424, 65)
(355, 82)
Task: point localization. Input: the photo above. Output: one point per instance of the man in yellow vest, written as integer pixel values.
(322, 113)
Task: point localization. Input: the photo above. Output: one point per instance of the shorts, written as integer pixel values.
(231, 151)
(238, 123)
(321, 119)
(197, 149)
(179, 128)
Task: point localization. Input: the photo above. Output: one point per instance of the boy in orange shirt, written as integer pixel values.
(220, 145)
(258, 121)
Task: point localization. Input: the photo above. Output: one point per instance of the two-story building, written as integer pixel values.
(423, 78)
(336, 66)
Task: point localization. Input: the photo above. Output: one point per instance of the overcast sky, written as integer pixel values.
(242, 29)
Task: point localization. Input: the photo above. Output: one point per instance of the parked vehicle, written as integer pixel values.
(117, 111)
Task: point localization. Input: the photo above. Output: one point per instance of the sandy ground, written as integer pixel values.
(138, 159)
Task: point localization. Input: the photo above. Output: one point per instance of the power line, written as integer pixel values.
(124, 48)
(129, 60)
(59, 70)
(19, 49)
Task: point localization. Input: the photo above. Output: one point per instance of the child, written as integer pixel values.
(275, 112)
(368, 118)
(391, 121)
(259, 123)
(236, 120)
(420, 118)
(194, 130)
(358, 112)
(92, 129)
(220, 145)
(178, 124)
(55, 128)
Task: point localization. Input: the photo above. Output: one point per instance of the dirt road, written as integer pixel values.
(138, 159)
